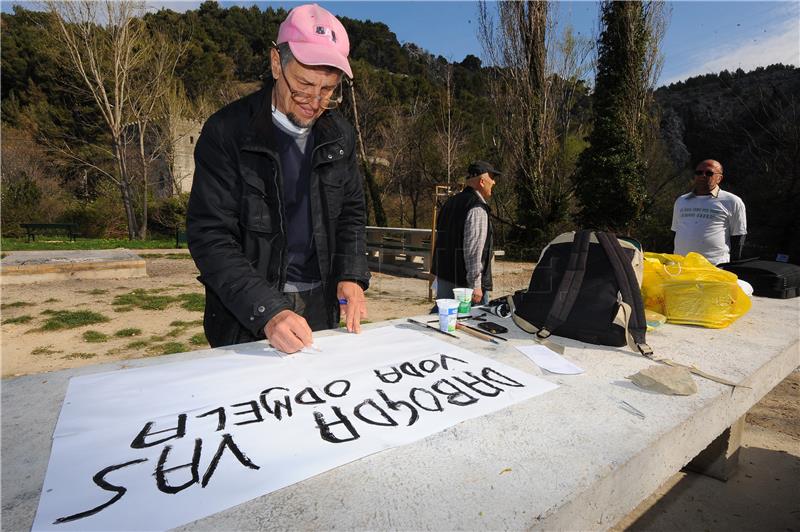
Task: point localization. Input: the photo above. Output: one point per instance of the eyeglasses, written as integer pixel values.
(328, 98)
(331, 100)
(707, 173)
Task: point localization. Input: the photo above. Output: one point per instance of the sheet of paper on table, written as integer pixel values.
(155, 447)
(549, 360)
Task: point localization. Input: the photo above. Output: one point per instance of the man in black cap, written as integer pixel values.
(462, 257)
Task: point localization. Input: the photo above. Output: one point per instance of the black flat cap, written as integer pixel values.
(481, 167)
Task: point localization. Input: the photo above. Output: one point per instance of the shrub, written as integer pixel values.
(168, 214)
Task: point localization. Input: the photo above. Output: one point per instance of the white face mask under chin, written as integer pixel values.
(285, 123)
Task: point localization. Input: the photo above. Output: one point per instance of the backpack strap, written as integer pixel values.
(570, 284)
(530, 328)
(631, 305)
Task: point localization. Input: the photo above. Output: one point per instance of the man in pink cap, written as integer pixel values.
(276, 214)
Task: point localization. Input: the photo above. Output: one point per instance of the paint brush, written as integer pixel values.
(472, 332)
(487, 333)
(434, 328)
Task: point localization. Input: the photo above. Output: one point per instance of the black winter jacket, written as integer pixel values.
(235, 220)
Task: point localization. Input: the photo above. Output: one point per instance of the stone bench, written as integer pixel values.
(572, 459)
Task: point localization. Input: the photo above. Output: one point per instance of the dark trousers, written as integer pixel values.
(312, 306)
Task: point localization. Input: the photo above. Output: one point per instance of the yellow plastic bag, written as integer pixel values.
(692, 291)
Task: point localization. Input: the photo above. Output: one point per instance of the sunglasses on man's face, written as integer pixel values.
(707, 173)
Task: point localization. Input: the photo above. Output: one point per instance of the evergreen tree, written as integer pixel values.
(610, 177)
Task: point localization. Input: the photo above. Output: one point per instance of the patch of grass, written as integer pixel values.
(52, 300)
(95, 337)
(16, 304)
(180, 323)
(198, 339)
(72, 356)
(143, 300)
(138, 344)
(44, 350)
(157, 338)
(48, 312)
(149, 300)
(167, 348)
(123, 309)
(66, 319)
(194, 302)
(174, 333)
(16, 244)
(19, 319)
(93, 292)
(130, 331)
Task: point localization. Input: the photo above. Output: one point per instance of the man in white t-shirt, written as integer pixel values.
(709, 220)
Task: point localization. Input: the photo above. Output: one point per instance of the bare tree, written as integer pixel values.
(450, 132)
(124, 70)
(152, 84)
(415, 164)
(533, 87)
(372, 192)
(396, 139)
(656, 16)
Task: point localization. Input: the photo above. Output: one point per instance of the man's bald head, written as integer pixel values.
(714, 163)
(707, 177)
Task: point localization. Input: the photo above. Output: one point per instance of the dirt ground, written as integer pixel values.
(155, 315)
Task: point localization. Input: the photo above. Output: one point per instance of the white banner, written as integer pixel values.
(157, 447)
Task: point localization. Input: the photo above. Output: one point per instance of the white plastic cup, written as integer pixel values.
(448, 314)
(464, 298)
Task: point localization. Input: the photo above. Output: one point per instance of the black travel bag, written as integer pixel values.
(586, 286)
(769, 278)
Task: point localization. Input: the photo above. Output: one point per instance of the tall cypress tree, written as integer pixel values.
(610, 177)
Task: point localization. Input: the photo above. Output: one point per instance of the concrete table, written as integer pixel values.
(569, 459)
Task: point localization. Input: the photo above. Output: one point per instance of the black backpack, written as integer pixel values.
(585, 286)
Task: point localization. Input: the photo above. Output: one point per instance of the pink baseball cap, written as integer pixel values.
(316, 37)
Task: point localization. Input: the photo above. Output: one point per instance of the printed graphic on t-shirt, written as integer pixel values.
(704, 213)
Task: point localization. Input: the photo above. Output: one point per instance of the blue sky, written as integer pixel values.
(701, 37)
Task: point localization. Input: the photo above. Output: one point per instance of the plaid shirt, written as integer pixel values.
(476, 227)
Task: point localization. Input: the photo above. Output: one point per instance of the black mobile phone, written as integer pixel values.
(492, 327)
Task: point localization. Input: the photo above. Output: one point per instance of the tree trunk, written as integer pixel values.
(143, 162)
(125, 190)
(372, 192)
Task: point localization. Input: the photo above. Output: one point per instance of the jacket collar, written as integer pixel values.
(260, 131)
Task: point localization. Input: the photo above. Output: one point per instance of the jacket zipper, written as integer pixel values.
(315, 166)
(282, 274)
